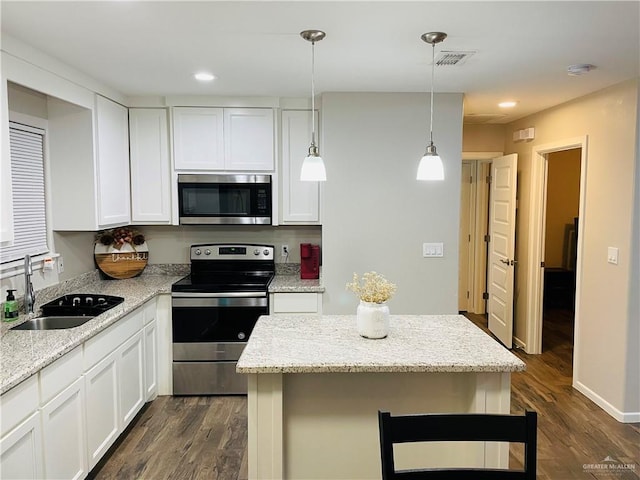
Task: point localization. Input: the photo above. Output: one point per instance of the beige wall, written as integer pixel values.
(483, 138)
(563, 199)
(607, 359)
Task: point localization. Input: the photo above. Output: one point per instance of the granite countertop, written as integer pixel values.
(25, 352)
(287, 283)
(331, 344)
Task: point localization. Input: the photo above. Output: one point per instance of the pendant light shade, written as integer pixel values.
(313, 166)
(430, 166)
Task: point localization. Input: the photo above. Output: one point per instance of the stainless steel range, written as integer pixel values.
(214, 310)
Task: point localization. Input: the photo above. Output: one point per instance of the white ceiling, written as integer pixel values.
(522, 48)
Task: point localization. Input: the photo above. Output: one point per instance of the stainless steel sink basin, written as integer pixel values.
(52, 323)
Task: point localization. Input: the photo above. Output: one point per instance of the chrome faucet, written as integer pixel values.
(29, 294)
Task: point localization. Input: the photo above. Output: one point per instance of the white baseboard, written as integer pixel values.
(623, 417)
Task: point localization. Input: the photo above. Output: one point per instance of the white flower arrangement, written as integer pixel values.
(373, 287)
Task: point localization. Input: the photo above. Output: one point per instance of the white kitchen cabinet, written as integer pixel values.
(303, 302)
(198, 138)
(131, 389)
(150, 166)
(89, 158)
(300, 200)
(21, 432)
(21, 450)
(248, 139)
(112, 158)
(223, 139)
(63, 429)
(151, 349)
(102, 407)
(6, 196)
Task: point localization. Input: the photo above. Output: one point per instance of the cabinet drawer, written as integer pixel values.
(106, 342)
(295, 303)
(18, 403)
(60, 374)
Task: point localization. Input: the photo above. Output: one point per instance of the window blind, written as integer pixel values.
(28, 190)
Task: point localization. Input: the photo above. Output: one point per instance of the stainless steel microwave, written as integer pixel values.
(209, 199)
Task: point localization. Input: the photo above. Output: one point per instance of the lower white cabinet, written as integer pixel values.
(101, 384)
(131, 378)
(151, 360)
(63, 430)
(21, 450)
(303, 302)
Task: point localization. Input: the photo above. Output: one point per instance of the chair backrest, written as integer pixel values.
(458, 427)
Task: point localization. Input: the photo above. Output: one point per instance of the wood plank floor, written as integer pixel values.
(205, 437)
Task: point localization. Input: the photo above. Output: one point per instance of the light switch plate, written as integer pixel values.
(612, 255)
(433, 249)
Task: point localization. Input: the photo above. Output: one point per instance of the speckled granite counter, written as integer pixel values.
(294, 284)
(330, 343)
(25, 352)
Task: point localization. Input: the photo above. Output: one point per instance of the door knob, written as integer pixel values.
(513, 262)
(506, 262)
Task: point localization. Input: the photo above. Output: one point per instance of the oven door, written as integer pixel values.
(210, 331)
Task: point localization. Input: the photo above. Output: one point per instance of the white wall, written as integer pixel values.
(607, 363)
(376, 214)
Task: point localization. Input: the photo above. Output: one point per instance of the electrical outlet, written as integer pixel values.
(285, 250)
(60, 265)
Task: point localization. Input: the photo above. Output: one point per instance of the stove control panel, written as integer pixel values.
(232, 252)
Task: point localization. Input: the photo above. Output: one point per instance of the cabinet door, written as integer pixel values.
(150, 166)
(21, 450)
(112, 157)
(102, 413)
(63, 430)
(198, 138)
(131, 378)
(248, 138)
(300, 200)
(307, 302)
(150, 360)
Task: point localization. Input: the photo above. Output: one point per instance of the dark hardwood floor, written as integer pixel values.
(206, 437)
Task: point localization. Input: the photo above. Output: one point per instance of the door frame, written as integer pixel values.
(478, 264)
(536, 228)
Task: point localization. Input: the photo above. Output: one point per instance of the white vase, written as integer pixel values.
(372, 319)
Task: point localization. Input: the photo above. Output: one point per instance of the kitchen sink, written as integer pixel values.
(70, 311)
(80, 304)
(55, 322)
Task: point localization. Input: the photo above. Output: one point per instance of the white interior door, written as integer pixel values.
(465, 260)
(502, 227)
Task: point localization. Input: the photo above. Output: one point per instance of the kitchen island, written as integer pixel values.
(315, 387)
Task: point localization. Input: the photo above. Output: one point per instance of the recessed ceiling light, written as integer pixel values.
(579, 69)
(204, 76)
(509, 104)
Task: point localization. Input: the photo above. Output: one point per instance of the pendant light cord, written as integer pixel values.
(433, 68)
(313, 96)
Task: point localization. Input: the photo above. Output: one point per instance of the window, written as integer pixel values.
(28, 191)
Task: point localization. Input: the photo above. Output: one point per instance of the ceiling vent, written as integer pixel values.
(478, 118)
(447, 58)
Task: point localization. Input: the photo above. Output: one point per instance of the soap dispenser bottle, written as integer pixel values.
(10, 307)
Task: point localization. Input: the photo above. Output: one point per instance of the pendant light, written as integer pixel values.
(313, 165)
(430, 166)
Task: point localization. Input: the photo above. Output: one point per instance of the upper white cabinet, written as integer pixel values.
(89, 157)
(300, 200)
(150, 166)
(198, 138)
(233, 139)
(112, 159)
(248, 139)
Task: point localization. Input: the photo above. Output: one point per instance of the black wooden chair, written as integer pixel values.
(458, 427)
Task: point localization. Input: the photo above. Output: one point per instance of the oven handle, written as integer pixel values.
(218, 294)
(199, 302)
